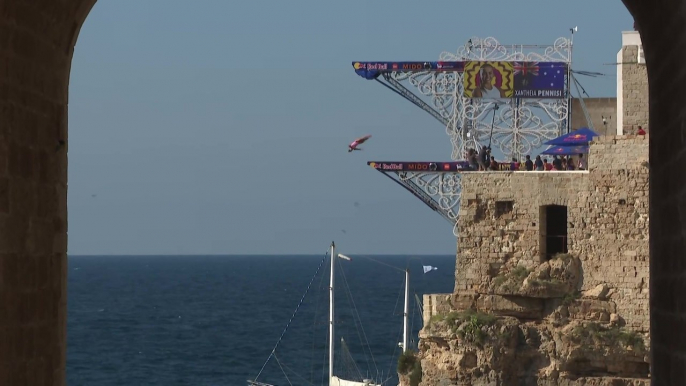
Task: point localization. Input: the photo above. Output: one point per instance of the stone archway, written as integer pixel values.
(664, 43)
(36, 45)
(37, 39)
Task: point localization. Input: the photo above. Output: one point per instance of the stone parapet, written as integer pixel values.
(502, 224)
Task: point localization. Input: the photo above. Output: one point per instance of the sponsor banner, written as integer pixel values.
(492, 80)
(409, 66)
(371, 70)
(539, 79)
(487, 79)
(501, 80)
(420, 166)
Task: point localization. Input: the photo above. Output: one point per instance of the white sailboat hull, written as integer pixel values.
(335, 381)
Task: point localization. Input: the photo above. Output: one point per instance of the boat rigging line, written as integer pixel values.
(356, 313)
(292, 316)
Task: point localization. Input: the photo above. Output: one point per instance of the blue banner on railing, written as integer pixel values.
(494, 79)
(419, 166)
(371, 70)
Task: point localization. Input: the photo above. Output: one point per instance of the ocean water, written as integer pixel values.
(214, 320)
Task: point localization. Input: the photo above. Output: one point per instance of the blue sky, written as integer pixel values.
(220, 127)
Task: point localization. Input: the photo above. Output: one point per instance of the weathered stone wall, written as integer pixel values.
(36, 45)
(634, 91)
(435, 304)
(607, 228)
(662, 33)
(597, 109)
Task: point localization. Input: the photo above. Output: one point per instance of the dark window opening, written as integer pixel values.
(553, 230)
(503, 207)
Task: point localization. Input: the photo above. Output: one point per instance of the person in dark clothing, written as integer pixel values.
(494, 164)
(529, 164)
(483, 158)
(557, 163)
(539, 163)
(473, 162)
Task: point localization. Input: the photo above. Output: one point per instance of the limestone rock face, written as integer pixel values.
(552, 279)
(534, 328)
(504, 351)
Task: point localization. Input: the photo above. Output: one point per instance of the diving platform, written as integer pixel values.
(436, 184)
(510, 98)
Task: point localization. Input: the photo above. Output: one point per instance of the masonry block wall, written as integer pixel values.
(607, 209)
(635, 91)
(597, 109)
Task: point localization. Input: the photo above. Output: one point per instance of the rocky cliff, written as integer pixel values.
(531, 327)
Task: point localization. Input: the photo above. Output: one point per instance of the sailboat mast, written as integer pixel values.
(407, 308)
(333, 260)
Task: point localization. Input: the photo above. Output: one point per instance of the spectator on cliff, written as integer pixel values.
(538, 164)
(483, 158)
(471, 158)
(582, 162)
(557, 163)
(529, 164)
(514, 165)
(547, 166)
(494, 164)
(640, 131)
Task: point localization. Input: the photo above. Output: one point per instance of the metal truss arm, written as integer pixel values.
(439, 191)
(401, 90)
(425, 198)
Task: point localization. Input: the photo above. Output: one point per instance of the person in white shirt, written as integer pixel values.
(582, 162)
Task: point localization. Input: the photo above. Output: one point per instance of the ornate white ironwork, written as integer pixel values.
(518, 126)
(443, 189)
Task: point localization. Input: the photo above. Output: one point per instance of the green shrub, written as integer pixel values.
(520, 272)
(406, 362)
(570, 298)
(513, 279)
(416, 375)
(609, 336)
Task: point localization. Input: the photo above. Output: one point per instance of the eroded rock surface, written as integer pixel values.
(533, 327)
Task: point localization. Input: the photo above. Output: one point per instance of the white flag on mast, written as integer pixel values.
(428, 268)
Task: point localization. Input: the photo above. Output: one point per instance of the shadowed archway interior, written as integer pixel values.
(37, 39)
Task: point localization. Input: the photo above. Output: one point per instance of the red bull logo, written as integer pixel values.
(370, 66)
(377, 66)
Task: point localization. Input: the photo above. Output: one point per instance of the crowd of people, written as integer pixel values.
(483, 161)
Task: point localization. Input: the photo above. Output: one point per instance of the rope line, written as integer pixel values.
(293, 372)
(314, 330)
(382, 263)
(291, 319)
(282, 370)
(356, 313)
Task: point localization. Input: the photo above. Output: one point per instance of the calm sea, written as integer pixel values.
(214, 320)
